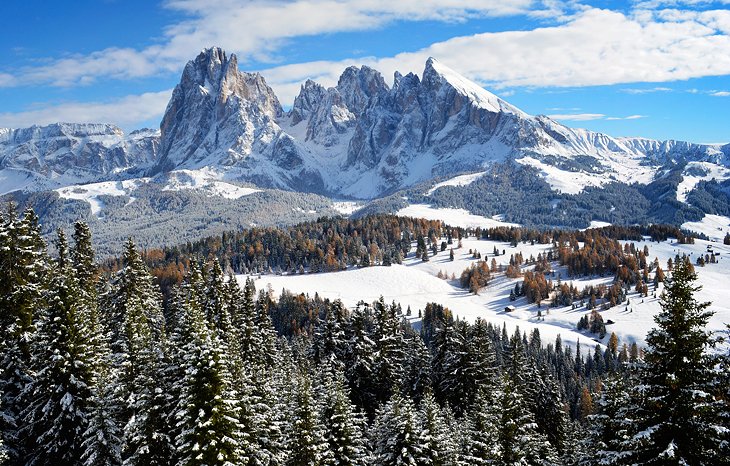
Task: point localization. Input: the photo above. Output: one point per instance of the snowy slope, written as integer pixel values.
(415, 283)
(43, 157)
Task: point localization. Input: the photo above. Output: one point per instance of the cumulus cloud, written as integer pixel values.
(257, 29)
(125, 111)
(595, 47)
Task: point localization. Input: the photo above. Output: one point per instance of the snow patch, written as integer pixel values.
(454, 217)
(690, 177)
(714, 226)
(90, 193)
(565, 181)
(461, 180)
(346, 207)
(200, 180)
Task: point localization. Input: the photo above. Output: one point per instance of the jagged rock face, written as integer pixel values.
(217, 114)
(432, 116)
(309, 98)
(358, 86)
(78, 151)
(359, 138)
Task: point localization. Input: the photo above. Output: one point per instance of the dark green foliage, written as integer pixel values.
(211, 381)
(675, 416)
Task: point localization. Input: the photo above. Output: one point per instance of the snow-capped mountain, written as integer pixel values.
(42, 157)
(365, 139)
(361, 138)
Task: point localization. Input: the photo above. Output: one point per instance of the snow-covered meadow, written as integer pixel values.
(416, 283)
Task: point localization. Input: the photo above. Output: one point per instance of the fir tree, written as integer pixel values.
(480, 445)
(208, 426)
(397, 436)
(23, 264)
(307, 443)
(345, 428)
(676, 419)
(439, 447)
(59, 409)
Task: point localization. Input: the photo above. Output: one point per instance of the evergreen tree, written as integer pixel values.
(328, 341)
(439, 447)
(209, 431)
(480, 443)
(608, 427)
(307, 441)
(389, 349)
(345, 428)
(676, 421)
(397, 436)
(59, 399)
(102, 444)
(360, 360)
(23, 265)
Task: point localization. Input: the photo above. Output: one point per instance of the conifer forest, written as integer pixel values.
(173, 357)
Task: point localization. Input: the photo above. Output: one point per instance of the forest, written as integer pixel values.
(98, 369)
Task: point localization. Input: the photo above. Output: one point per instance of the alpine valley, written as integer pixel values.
(228, 155)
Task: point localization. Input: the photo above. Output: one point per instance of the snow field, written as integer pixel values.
(415, 283)
(460, 217)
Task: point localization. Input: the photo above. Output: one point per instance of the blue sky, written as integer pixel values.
(653, 68)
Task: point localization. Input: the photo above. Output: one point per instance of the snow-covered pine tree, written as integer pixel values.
(102, 445)
(480, 441)
(360, 360)
(482, 357)
(59, 398)
(417, 377)
(23, 264)
(4, 457)
(82, 257)
(345, 427)
(520, 442)
(396, 434)
(138, 345)
(242, 310)
(267, 349)
(454, 382)
(307, 442)
(676, 417)
(439, 446)
(209, 430)
(216, 305)
(389, 349)
(607, 428)
(329, 342)
(551, 413)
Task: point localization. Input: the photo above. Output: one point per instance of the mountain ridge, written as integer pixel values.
(359, 139)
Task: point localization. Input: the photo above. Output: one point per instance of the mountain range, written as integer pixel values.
(360, 140)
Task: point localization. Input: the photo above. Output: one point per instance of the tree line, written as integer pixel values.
(96, 371)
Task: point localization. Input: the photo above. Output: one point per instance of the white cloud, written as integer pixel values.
(596, 47)
(647, 91)
(127, 110)
(591, 116)
(654, 4)
(578, 116)
(257, 30)
(720, 94)
(630, 117)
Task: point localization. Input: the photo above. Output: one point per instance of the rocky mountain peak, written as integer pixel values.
(358, 85)
(309, 98)
(214, 110)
